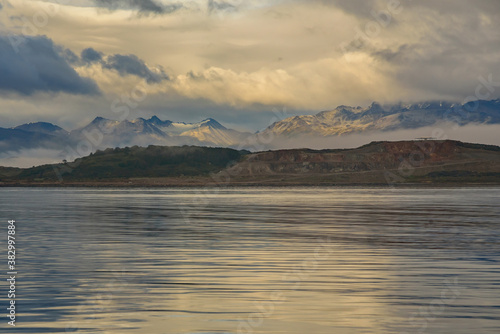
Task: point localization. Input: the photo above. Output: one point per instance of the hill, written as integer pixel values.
(425, 161)
(403, 162)
(124, 163)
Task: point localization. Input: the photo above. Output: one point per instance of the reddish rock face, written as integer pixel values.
(421, 156)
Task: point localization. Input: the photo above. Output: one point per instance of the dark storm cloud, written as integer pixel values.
(366, 8)
(215, 6)
(400, 54)
(123, 64)
(90, 55)
(452, 61)
(36, 65)
(442, 48)
(143, 6)
(355, 7)
(70, 56)
(131, 64)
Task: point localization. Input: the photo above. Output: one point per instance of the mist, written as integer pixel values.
(30, 157)
(474, 133)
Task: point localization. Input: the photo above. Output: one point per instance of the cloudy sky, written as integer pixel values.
(67, 61)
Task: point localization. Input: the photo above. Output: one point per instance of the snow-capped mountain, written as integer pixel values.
(159, 123)
(142, 131)
(178, 128)
(103, 133)
(345, 120)
(208, 131)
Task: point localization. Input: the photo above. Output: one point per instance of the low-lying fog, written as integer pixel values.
(481, 134)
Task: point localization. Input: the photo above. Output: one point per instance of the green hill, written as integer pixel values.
(152, 161)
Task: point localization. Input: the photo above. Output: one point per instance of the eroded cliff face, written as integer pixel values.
(371, 161)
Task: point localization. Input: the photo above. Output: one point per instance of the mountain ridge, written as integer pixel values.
(346, 119)
(102, 133)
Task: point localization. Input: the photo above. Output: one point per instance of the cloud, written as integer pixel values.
(131, 64)
(272, 53)
(471, 133)
(123, 64)
(398, 55)
(360, 8)
(90, 55)
(365, 8)
(215, 6)
(38, 66)
(143, 6)
(70, 56)
(27, 158)
(434, 57)
(306, 85)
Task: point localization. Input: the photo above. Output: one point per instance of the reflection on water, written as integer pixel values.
(291, 260)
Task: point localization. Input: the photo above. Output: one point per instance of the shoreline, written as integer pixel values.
(96, 184)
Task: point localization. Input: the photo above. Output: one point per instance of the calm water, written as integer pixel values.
(291, 260)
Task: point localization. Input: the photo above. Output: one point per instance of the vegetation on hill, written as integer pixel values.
(402, 162)
(479, 146)
(152, 161)
(8, 172)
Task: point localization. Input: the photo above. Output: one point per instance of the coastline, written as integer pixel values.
(210, 184)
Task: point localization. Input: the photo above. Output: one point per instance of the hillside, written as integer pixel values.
(403, 162)
(377, 162)
(122, 163)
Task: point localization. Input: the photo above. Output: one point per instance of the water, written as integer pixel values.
(260, 260)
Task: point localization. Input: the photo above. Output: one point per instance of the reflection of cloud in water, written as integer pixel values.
(129, 258)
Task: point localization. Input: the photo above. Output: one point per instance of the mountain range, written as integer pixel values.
(346, 120)
(102, 133)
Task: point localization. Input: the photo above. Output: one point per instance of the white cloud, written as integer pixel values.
(278, 53)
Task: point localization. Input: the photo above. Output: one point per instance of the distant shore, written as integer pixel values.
(423, 163)
(209, 183)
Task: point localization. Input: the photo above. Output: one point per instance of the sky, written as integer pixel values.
(240, 62)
